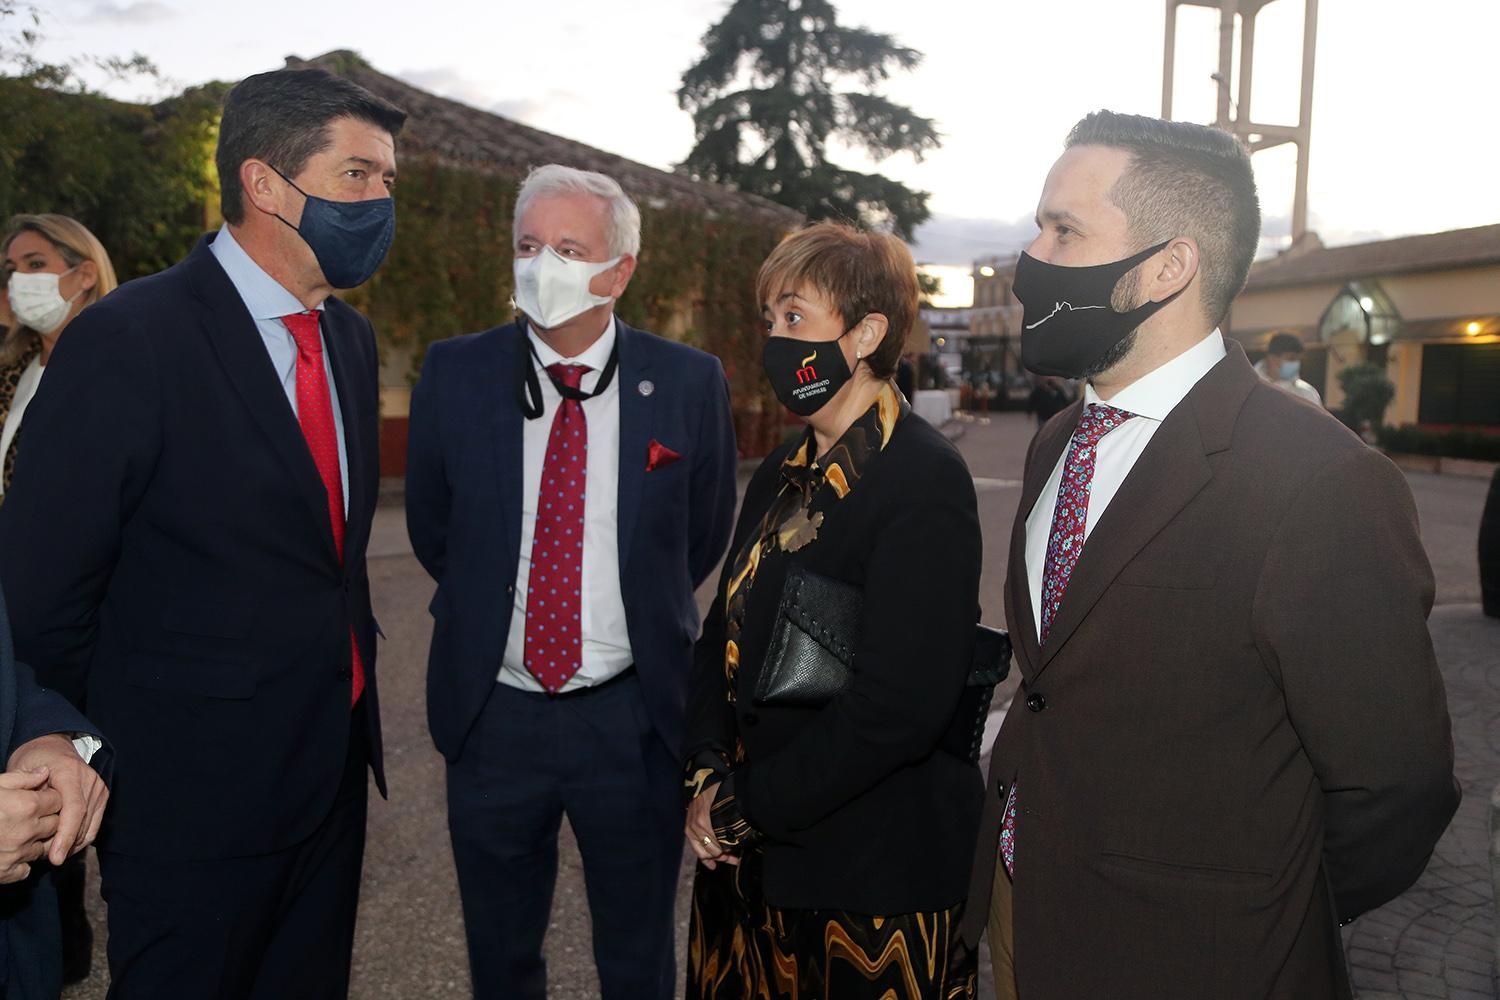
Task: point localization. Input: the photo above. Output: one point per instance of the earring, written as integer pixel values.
(857, 356)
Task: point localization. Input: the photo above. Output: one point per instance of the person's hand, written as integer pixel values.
(700, 831)
(28, 821)
(83, 791)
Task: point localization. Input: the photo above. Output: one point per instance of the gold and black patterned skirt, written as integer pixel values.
(742, 948)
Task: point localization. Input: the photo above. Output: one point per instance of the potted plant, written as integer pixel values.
(1367, 392)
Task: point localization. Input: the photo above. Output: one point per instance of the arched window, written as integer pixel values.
(1363, 309)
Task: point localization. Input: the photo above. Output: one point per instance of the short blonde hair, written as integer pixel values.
(858, 271)
(76, 244)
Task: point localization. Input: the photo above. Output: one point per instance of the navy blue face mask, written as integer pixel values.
(349, 238)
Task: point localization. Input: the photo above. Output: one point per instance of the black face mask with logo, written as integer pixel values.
(805, 374)
(1067, 323)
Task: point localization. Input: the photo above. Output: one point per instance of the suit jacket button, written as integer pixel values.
(1036, 702)
(346, 673)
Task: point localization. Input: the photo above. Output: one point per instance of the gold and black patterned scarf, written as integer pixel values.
(788, 524)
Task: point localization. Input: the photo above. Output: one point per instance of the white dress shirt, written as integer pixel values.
(1149, 398)
(605, 639)
(268, 301)
(26, 388)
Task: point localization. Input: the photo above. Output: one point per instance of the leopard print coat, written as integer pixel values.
(10, 377)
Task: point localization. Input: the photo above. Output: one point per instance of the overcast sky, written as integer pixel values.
(1404, 139)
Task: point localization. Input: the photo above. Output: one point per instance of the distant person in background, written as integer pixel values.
(1282, 366)
(1049, 397)
(53, 268)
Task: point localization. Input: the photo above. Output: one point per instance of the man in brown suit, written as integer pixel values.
(1231, 734)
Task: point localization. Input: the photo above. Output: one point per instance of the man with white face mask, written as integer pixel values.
(570, 481)
(1282, 366)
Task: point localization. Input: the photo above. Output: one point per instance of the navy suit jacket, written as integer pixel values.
(168, 551)
(30, 948)
(463, 510)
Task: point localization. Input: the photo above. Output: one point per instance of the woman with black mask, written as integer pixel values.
(834, 824)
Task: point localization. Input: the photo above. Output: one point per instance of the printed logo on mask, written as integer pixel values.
(795, 378)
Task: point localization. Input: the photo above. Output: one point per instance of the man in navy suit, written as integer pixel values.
(186, 543)
(570, 482)
(51, 802)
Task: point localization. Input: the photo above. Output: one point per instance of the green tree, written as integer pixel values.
(765, 108)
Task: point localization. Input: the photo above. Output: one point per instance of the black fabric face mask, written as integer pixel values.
(1067, 322)
(805, 374)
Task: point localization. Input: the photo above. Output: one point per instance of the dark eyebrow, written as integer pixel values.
(366, 162)
(1056, 215)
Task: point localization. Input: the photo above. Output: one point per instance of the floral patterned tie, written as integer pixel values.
(1064, 546)
(554, 586)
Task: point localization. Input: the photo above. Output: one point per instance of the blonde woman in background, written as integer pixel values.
(53, 268)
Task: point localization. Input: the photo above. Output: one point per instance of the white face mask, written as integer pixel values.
(37, 302)
(551, 289)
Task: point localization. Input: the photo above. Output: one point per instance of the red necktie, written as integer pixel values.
(1064, 546)
(315, 414)
(554, 646)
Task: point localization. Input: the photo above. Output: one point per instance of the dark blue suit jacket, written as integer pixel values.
(463, 510)
(168, 550)
(30, 949)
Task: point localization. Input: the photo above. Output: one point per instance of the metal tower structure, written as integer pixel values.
(1235, 116)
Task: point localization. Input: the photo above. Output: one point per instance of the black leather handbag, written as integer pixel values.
(811, 657)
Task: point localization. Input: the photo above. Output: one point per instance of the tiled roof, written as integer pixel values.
(1430, 252)
(457, 134)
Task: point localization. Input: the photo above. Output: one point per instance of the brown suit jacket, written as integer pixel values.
(1236, 735)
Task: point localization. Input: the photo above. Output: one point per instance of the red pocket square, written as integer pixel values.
(659, 455)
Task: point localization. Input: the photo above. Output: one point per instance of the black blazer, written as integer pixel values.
(30, 947)
(167, 549)
(861, 810)
(463, 511)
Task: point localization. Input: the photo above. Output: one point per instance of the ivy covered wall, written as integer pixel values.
(142, 178)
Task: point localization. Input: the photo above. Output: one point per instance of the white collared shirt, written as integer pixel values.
(606, 640)
(1149, 398)
(268, 300)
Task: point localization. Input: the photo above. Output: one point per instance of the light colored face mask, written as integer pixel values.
(37, 302)
(551, 289)
(1290, 370)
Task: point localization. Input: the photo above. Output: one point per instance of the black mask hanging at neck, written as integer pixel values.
(1068, 324)
(529, 389)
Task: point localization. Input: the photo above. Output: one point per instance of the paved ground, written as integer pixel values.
(1435, 941)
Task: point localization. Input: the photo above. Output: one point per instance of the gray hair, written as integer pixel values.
(623, 223)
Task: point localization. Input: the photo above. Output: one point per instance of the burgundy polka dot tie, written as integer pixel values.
(1064, 546)
(315, 414)
(554, 633)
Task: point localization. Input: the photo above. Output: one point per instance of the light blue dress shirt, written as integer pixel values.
(268, 301)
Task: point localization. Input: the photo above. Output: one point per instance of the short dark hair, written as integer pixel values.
(283, 118)
(860, 272)
(1185, 180)
(1285, 343)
